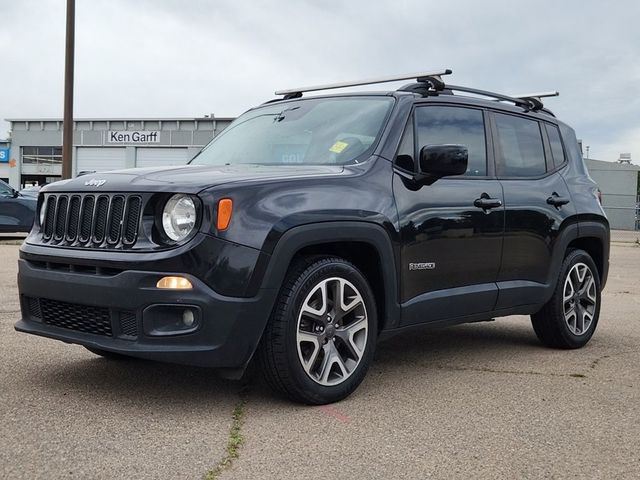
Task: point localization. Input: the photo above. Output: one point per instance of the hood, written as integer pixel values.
(186, 178)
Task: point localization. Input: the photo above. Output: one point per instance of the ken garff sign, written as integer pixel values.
(135, 136)
(4, 155)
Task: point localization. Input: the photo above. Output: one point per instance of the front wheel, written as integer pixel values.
(570, 317)
(320, 339)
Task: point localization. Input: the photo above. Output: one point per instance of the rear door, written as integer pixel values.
(451, 248)
(529, 161)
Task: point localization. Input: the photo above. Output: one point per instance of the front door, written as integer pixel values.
(451, 231)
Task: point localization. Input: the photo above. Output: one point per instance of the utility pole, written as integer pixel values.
(67, 134)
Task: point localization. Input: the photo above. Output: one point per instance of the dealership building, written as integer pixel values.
(618, 182)
(34, 155)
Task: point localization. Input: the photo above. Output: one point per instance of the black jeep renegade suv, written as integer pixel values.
(311, 227)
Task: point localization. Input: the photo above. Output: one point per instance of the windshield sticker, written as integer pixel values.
(338, 147)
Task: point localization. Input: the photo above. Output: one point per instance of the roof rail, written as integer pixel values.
(434, 86)
(420, 77)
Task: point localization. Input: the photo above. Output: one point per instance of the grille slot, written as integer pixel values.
(100, 219)
(115, 219)
(88, 220)
(132, 219)
(61, 218)
(74, 218)
(49, 218)
(72, 316)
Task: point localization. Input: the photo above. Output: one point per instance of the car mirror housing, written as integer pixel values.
(437, 161)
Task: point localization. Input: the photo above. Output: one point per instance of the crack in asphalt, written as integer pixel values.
(595, 362)
(235, 439)
(511, 372)
(592, 366)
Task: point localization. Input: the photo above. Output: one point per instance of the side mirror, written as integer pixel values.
(15, 193)
(437, 161)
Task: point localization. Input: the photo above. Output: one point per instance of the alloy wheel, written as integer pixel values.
(332, 331)
(579, 299)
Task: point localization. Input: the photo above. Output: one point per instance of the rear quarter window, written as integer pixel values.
(555, 142)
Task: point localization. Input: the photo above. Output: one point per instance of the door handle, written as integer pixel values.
(485, 202)
(557, 201)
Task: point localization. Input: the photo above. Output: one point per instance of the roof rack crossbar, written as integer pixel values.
(394, 78)
(521, 102)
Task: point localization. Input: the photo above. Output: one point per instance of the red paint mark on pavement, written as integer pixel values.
(332, 411)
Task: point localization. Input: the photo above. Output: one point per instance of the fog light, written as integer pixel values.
(188, 318)
(174, 283)
(163, 320)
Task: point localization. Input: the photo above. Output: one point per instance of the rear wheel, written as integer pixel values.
(320, 339)
(570, 317)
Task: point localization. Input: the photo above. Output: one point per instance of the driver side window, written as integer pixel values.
(439, 125)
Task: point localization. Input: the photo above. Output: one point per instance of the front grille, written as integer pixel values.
(72, 316)
(88, 220)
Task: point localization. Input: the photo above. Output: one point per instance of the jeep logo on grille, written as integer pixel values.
(95, 183)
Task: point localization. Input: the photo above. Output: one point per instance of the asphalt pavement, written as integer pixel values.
(483, 400)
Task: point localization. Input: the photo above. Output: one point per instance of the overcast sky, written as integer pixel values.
(151, 58)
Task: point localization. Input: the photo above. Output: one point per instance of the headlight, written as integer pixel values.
(179, 217)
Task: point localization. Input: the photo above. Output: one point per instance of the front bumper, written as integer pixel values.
(63, 304)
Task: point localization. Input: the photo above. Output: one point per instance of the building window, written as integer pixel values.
(41, 155)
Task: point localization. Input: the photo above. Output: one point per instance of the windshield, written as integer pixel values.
(321, 131)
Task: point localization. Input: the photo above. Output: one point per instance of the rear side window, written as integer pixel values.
(521, 151)
(570, 141)
(556, 144)
(455, 125)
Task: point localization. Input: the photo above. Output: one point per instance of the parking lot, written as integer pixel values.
(483, 400)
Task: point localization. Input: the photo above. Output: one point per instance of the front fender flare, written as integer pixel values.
(293, 240)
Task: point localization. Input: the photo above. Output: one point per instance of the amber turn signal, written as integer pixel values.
(225, 208)
(174, 283)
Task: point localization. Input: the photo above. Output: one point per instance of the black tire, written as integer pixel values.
(550, 325)
(108, 355)
(280, 356)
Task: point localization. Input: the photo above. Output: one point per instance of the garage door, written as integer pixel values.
(101, 159)
(161, 157)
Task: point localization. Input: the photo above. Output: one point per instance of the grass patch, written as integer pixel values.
(234, 441)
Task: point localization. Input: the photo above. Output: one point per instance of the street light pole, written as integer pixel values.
(67, 133)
